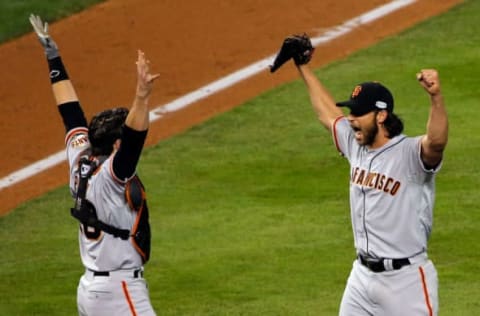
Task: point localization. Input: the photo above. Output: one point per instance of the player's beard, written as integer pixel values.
(369, 133)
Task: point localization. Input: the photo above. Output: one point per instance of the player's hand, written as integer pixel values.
(144, 78)
(429, 80)
(51, 48)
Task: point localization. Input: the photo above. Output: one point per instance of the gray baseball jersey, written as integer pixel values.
(100, 251)
(391, 194)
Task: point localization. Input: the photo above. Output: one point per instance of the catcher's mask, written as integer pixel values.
(105, 128)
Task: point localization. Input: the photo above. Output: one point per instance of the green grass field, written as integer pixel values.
(250, 210)
(13, 13)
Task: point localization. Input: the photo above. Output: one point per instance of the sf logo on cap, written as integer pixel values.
(356, 91)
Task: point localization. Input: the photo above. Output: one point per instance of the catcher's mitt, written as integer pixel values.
(298, 47)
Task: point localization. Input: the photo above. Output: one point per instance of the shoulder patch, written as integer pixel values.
(79, 140)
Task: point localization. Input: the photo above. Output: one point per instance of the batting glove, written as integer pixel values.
(51, 48)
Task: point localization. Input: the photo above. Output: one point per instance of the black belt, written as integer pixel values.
(378, 265)
(136, 273)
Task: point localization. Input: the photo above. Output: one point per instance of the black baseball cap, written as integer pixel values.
(367, 97)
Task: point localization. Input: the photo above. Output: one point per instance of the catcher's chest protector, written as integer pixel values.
(85, 211)
(136, 198)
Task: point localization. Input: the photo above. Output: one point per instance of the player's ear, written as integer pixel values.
(381, 116)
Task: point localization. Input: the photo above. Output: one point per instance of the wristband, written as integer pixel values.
(57, 70)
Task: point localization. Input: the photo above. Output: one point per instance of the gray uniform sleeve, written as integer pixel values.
(77, 144)
(414, 155)
(343, 137)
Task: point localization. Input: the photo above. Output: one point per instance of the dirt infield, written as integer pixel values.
(191, 43)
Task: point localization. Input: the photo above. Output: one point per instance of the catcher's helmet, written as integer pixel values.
(105, 128)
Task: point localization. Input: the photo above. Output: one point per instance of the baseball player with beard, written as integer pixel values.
(110, 202)
(392, 189)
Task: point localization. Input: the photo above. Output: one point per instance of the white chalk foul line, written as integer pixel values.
(216, 86)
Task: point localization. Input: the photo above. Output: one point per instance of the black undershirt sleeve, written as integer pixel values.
(71, 112)
(126, 158)
(72, 115)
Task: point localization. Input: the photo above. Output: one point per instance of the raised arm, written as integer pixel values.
(436, 137)
(300, 49)
(136, 123)
(322, 102)
(63, 91)
(137, 118)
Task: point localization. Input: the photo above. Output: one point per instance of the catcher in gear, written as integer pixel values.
(392, 190)
(110, 201)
